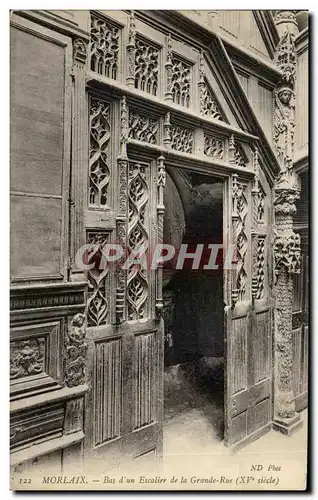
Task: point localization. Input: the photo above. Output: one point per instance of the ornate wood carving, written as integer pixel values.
(181, 81)
(27, 357)
(99, 169)
(75, 352)
(214, 147)
(167, 131)
(208, 103)
(131, 50)
(236, 153)
(143, 128)
(121, 220)
(79, 50)
(104, 50)
(45, 298)
(138, 195)
(240, 239)
(108, 392)
(168, 67)
(161, 182)
(146, 66)
(181, 139)
(258, 279)
(97, 303)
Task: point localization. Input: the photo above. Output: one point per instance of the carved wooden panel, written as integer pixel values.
(147, 57)
(99, 157)
(297, 361)
(138, 237)
(181, 81)
(214, 147)
(34, 356)
(145, 381)
(143, 127)
(98, 287)
(31, 427)
(182, 138)
(104, 48)
(37, 156)
(262, 346)
(239, 354)
(107, 391)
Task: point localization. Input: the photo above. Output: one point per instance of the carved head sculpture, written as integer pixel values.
(285, 94)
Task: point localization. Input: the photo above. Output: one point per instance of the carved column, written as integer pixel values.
(75, 352)
(121, 220)
(161, 182)
(79, 154)
(131, 51)
(168, 67)
(286, 242)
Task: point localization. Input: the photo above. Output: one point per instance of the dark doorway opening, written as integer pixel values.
(193, 305)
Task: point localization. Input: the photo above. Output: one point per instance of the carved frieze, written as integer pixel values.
(214, 147)
(146, 66)
(181, 139)
(143, 128)
(99, 169)
(104, 50)
(75, 352)
(27, 357)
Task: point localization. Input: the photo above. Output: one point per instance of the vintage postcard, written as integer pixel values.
(159, 249)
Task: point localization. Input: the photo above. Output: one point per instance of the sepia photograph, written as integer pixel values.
(159, 250)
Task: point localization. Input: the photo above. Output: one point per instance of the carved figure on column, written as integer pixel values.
(76, 347)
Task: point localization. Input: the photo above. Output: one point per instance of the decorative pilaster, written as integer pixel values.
(161, 182)
(168, 68)
(131, 51)
(121, 220)
(167, 131)
(75, 352)
(79, 154)
(286, 242)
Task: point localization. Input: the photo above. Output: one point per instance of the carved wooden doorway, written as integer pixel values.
(248, 310)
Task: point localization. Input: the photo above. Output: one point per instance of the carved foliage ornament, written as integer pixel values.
(138, 196)
(75, 352)
(99, 172)
(286, 58)
(239, 216)
(143, 128)
(214, 147)
(104, 47)
(208, 104)
(181, 139)
(97, 304)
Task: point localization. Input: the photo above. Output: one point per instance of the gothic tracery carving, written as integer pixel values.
(143, 128)
(259, 269)
(75, 352)
(181, 139)
(97, 303)
(137, 282)
(104, 47)
(99, 172)
(79, 50)
(181, 81)
(146, 67)
(213, 147)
